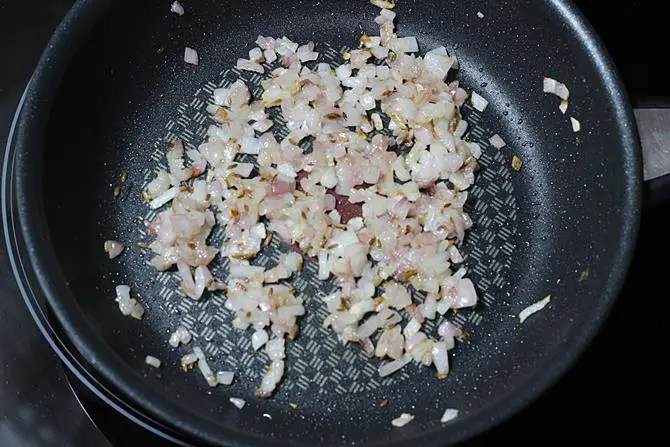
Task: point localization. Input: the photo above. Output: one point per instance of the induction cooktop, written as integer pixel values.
(608, 396)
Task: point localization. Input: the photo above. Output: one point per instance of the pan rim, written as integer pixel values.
(29, 138)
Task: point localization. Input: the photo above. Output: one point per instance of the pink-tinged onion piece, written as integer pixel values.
(113, 248)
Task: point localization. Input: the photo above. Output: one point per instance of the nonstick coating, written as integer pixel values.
(573, 206)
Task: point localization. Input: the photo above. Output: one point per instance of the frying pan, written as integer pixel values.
(111, 89)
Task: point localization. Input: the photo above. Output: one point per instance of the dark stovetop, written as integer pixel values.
(605, 397)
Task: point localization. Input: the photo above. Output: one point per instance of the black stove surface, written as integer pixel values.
(610, 394)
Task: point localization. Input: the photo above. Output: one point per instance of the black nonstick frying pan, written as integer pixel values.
(112, 87)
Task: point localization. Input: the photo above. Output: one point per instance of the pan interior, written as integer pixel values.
(535, 230)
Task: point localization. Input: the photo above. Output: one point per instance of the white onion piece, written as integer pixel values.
(464, 294)
(177, 8)
(461, 128)
(113, 248)
(238, 402)
(448, 415)
(389, 368)
(497, 141)
(478, 102)
(247, 65)
(255, 54)
(271, 379)
(476, 150)
(441, 359)
(127, 305)
(225, 377)
(576, 125)
(563, 107)
(404, 45)
(152, 361)
(181, 335)
(164, 198)
(387, 4)
(533, 308)
(480, 14)
(554, 87)
(402, 420)
(259, 339)
(188, 360)
(190, 56)
(204, 368)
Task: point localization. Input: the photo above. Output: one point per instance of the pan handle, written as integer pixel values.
(654, 128)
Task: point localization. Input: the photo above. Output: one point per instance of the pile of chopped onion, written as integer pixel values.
(405, 189)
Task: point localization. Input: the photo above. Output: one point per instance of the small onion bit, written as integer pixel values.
(152, 361)
(449, 415)
(238, 402)
(554, 87)
(478, 102)
(204, 368)
(127, 305)
(402, 420)
(181, 335)
(113, 248)
(225, 377)
(576, 125)
(177, 8)
(191, 56)
(533, 308)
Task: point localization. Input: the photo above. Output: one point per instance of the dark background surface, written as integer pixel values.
(614, 393)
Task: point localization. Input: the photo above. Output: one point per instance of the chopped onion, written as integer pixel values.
(554, 87)
(180, 336)
(563, 107)
(177, 8)
(152, 361)
(376, 218)
(127, 305)
(480, 14)
(190, 56)
(245, 64)
(402, 420)
(533, 308)
(388, 4)
(389, 368)
(576, 125)
(259, 339)
(448, 415)
(113, 248)
(225, 377)
(204, 368)
(164, 198)
(478, 102)
(239, 403)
